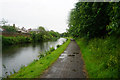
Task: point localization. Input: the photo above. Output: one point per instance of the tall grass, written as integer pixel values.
(15, 40)
(22, 39)
(101, 56)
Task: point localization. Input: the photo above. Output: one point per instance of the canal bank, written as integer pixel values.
(16, 56)
(36, 68)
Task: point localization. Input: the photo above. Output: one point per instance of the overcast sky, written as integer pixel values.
(51, 14)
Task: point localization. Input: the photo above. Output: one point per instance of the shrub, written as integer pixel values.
(101, 56)
(63, 42)
(15, 40)
(58, 46)
(52, 49)
(41, 56)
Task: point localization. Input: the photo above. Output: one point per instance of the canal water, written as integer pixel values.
(14, 57)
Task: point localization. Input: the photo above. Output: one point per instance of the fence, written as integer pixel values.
(14, 34)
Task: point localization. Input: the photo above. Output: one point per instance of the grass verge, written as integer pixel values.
(23, 39)
(15, 40)
(36, 68)
(101, 56)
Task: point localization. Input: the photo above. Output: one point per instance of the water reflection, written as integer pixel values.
(18, 55)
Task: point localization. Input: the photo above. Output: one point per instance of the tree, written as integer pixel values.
(9, 28)
(114, 15)
(92, 19)
(3, 21)
(42, 29)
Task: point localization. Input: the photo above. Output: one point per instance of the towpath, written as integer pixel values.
(69, 65)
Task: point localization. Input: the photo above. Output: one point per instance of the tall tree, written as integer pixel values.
(92, 19)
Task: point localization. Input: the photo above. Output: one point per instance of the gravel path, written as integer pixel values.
(68, 65)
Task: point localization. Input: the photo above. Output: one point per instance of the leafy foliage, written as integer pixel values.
(65, 34)
(9, 28)
(3, 21)
(15, 40)
(91, 19)
(96, 23)
(101, 56)
(58, 46)
(44, 35)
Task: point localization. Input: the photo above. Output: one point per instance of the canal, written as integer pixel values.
(16, 56)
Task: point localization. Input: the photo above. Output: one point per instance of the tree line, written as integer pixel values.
(96, 29)
(44, 35)
(35, 36)
(95, 19)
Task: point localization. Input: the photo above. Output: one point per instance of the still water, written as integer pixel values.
(13, 57)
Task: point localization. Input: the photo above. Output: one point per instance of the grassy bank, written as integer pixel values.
(101, 56)
(36, 68)
(22, 39)
(15, 40)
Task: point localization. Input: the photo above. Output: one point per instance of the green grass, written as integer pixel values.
(22, 39)
(36, 68)
(15, 40)
(101, 56)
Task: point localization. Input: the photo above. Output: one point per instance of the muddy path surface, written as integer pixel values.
(69, 65)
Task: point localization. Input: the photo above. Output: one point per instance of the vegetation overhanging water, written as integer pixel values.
(17, 56)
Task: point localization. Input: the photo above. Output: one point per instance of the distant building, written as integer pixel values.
(22, 30)
(29, 30)
(34, 30)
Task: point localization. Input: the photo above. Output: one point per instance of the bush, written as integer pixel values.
(63, 42)
(15, 40)
(58, 46)
(52, 49)
(41, 56)
(46, 53)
